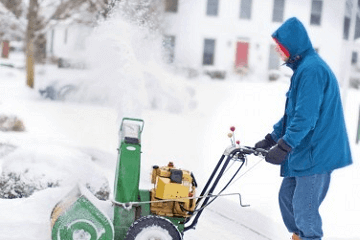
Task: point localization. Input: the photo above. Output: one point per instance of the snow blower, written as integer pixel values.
(162, 213)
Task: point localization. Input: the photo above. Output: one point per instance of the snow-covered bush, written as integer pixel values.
(35, 167)
(16, 185)
(11, 123)
(275, 74)
(101, 193)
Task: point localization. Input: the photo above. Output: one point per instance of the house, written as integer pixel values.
(234, 36)
(66, 43)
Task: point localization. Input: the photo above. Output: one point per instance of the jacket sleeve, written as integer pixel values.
(308, 100)
(278, 128)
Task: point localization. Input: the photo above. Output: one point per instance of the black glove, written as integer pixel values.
(266, 143)
(278, 153)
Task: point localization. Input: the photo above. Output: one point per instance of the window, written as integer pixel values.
(209, 52)
(357, 23)
(65, 36)
(169, 48)
(278, 11)
(274, 59)
(357, 26)
(245, 9)
(347, 17)
(354, 58)
(171, 5)
(212, 7)
(316, 9)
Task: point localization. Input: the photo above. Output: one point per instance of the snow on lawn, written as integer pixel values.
(75, 142)
(75, 139)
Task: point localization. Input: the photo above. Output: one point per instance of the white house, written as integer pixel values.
(67, 41)
(235, 35)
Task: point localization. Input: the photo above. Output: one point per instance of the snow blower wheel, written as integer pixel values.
(153, 228)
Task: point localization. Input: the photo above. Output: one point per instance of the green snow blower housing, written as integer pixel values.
(76, 217)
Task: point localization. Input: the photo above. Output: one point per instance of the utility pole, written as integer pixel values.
(30, 36)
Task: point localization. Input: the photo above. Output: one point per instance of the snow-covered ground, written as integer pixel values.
(72, 142)
(75, 139)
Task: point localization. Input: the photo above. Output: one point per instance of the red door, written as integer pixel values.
(242, 50)
(5, 49)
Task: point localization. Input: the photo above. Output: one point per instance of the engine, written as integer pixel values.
(173, 184)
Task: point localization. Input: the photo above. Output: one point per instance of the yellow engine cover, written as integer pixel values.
(180, 193)
(168, 190)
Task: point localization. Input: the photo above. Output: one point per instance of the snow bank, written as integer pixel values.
(33, 167)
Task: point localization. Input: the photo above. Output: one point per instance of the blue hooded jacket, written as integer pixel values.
(313, 124)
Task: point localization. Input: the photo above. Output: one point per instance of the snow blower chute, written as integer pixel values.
(162, 213)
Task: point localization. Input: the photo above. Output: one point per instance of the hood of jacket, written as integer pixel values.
(293, 36)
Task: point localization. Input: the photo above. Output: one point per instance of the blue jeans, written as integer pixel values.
(300, 199)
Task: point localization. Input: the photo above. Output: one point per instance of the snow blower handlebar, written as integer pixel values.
(244, 150)
(231, 153)
(235, 147)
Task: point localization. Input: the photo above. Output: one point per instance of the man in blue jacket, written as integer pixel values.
(310, 140)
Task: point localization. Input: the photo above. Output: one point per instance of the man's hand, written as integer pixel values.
(266, 143)
(278, 153)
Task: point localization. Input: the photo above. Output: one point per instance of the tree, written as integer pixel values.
(46, 13)
(12, 26)
(14, 6)
(30, 37)
(42, 14)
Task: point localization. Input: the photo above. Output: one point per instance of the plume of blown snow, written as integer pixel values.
(125, 69)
